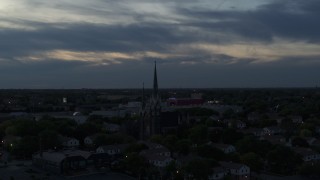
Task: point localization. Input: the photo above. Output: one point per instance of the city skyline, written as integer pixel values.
(197, 44)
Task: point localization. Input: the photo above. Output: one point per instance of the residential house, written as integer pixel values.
(158, 160)
(159, 157)
(254, 116)
(312, 141)
(258, 132)
(89, 140)
(308, 155)
(236, 170)
(296, 119)
(237, 124)
(274, 139)
(272, 130)
(115, 149)
(69, 142)
(217, 173)
(111, 127)
(226, 148)
(61, 162)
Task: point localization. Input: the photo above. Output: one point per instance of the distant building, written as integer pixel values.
(111, 127)
(185, 101)
(62, 162)
(307, 155)
(236, 170)
(272, 130)
(274, 139)
(226, 148)
(69, 162)
(89, 140)
(118, 113)
(258, 132)
(237, 124)
(158, 156)
(218, 173)
(111, 150)
(151, 113)
(69, 142)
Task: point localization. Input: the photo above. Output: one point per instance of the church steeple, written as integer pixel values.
(143, 100)
(155, 81)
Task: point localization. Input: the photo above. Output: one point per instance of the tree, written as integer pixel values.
(135, 148)
(230, 136)
(183, 146)
(310, 170)
(170, 142)
(134, 163)
(253, 160)
(85, 130)
(305, 133)
(199, 169)
(49, 139)
(26, 147)
(208, 151)
(298, 141)
(198, 134)
(283, 160)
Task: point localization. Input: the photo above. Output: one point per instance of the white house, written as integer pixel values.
(89, 140)
(70, 142)
(112, 149)
(296, 119)
(111, 127)
(157, 155)
(258, 132)
(236, 170)
(237, 124)
(307, 154)
(110, 113)
(226, 148)
(158, 160)
(274, 139)
(272, 130)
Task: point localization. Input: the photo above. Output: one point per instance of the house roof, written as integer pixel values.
(273, 128)
(59, 156)
(154, 157)
(216, 170)
(305, 151)
(232, 165)
(151, 145)
(66, 139)
(220, 146)
(121, 147)
(154, 151)
(252, 130)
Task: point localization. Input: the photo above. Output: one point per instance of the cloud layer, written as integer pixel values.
(203, 43)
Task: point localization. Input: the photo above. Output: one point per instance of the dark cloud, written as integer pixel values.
(291, 19)
(90, 37)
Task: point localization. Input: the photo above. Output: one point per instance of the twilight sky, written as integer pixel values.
(196, 43)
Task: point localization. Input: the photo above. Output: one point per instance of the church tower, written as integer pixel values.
(155, 105)
(150, 113)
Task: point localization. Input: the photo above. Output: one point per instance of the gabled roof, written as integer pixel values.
(305, 151)
(232, 165)
(66, 139)
(220, 146)
(59, 156)
(121, 147)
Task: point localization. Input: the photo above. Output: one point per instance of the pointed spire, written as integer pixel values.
(155, 81)
(143, 100)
